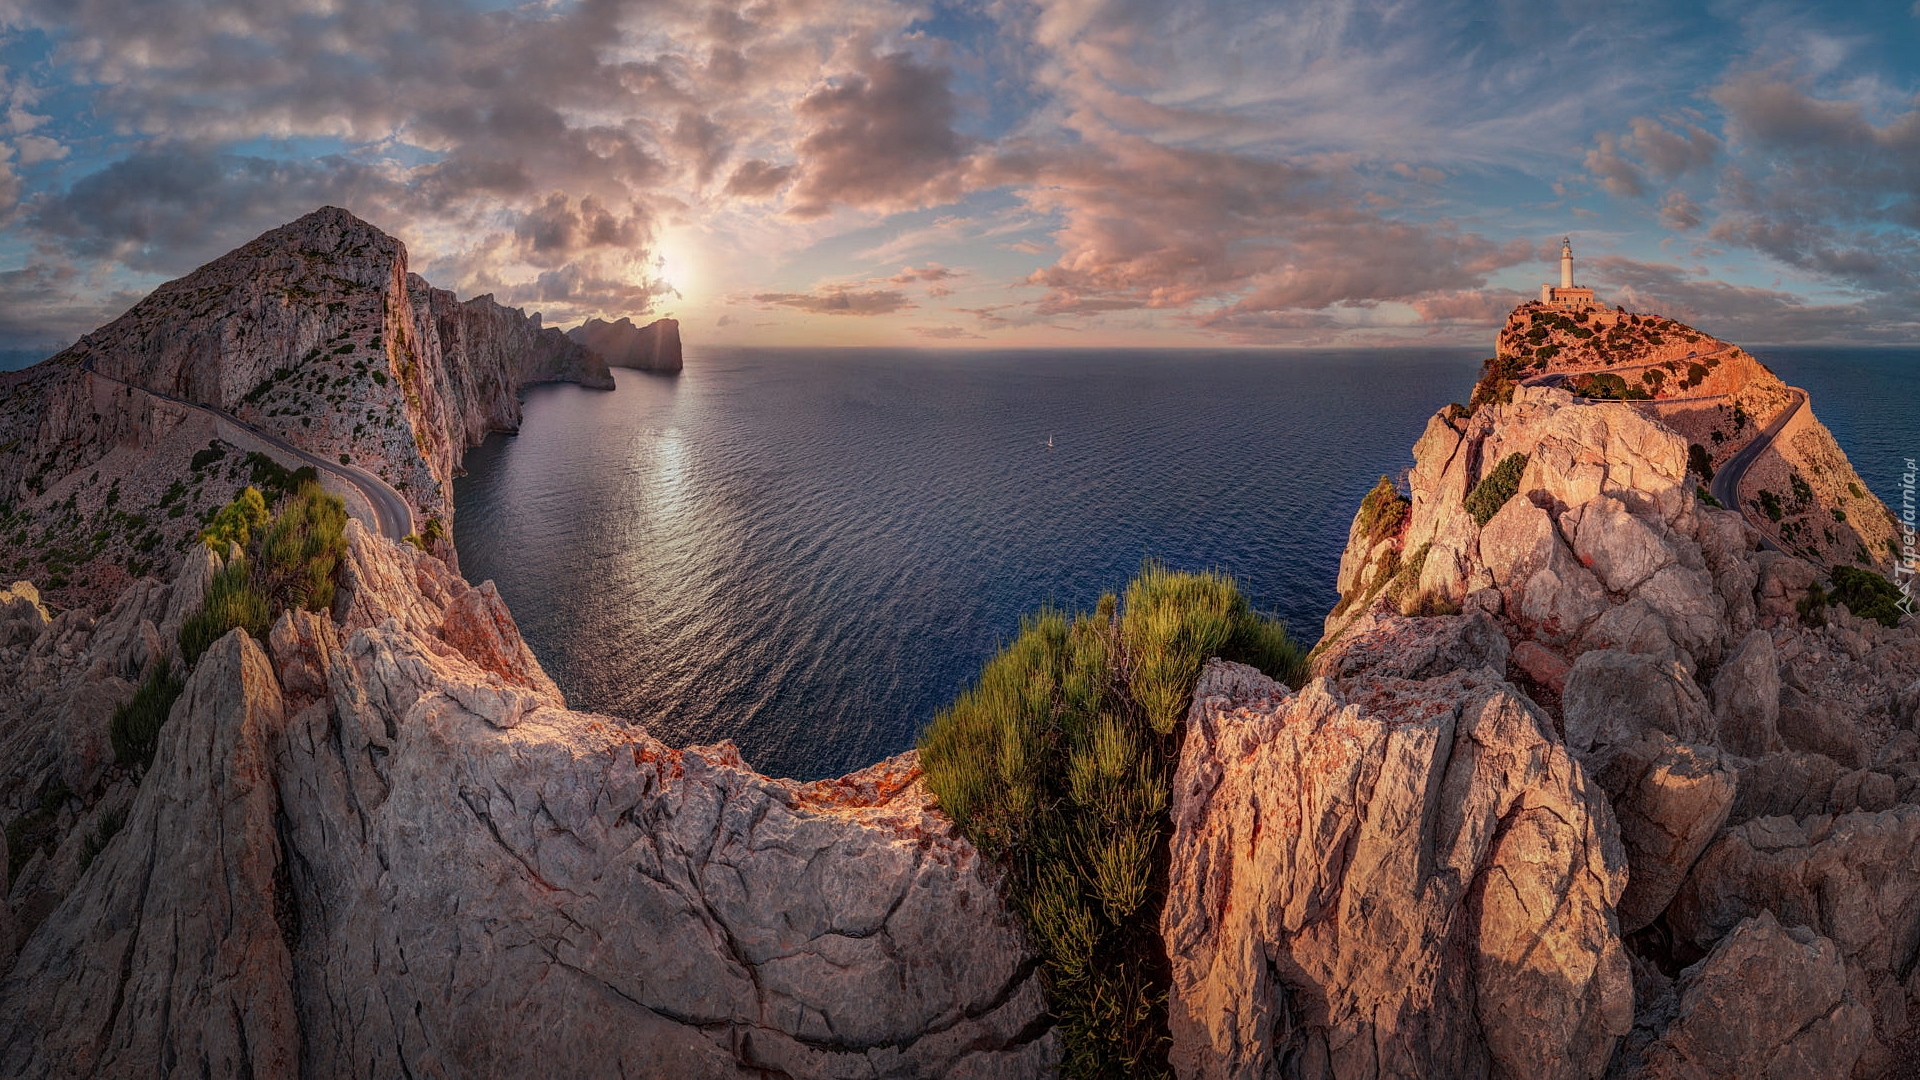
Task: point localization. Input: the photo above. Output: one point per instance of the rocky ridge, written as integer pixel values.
(377, 842)
(315, 333)
(1585, 783)
(1706, 776)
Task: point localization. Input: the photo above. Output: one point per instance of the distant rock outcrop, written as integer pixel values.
(653, 347)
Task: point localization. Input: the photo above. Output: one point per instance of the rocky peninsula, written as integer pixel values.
(1587, 776)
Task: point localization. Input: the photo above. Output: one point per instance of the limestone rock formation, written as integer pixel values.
(428, 865)
(1389, 877)
(1755, 747)
(314, 333)
(653, 347)
(1811, 1028)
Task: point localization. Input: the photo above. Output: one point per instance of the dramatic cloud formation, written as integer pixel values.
(1103, 170)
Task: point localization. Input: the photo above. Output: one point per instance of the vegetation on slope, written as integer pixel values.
(135, 728)
(1868, 595)
(291, 563)
(1495, 488)
(1057, 764)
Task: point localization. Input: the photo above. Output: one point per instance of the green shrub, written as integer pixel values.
(1700, 461)
(1495, 488)
(1813, 606)
(301, 550)
(1770, 503)
(96, 841)
(1057, 764)
(135, 728)
(1700, 492)
(232, 600)
(234, 523)
(1839, 514)
(1381, 512)
(1868, 595)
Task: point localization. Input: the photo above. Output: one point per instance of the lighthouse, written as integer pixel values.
(1566, 297)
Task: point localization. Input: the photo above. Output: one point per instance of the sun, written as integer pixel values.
(672, 264)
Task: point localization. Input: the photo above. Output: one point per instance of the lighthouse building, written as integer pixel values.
(1565, 296)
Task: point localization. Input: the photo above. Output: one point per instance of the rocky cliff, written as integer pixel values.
(314, 334)
(653, 347)
(374, 840)
(1590, 781)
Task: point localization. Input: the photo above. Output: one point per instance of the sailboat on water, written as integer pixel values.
(1049, 440)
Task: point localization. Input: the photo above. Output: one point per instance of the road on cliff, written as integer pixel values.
(1726, 480)
(391, 513)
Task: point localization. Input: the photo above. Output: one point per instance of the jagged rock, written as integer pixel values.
(145, 968)
(303, 644)
(1631, 627)
(478, 623)
(1768, 1001)
(1670, 800)
(692, 911)
(1415, 648)
(9, 925)
(1388, 878)
(1819, 727)
(653, 347)
(1695, 618)
(1542, 665)
(86, 745)
(1621, 549)
(1783, 584)
(1746, 697)
(22, 616)
(1613, 696)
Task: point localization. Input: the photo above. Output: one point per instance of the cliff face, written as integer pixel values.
(314, 333)
(377, 842)
(426, 864)
(653, 347)
(1588, 782)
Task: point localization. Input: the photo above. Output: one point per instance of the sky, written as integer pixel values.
(994, 173)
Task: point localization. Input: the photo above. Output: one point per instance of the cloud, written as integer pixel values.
(839, 301)
(1747, 313)
(1613, 170)
(1821, 187)
(945, 333)
(1679, 212)
(757, 179)
(879, 138)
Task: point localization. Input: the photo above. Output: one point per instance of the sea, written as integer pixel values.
(811, 552)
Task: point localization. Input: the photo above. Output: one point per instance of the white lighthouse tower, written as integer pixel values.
(1567, 297)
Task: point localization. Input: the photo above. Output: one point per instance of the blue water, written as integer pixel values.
(1868, 397)
(810, 552)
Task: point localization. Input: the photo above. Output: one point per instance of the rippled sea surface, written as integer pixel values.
(1868, 398)
(810, 552)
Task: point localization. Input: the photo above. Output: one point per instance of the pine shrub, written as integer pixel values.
(1057, 763)
(1495, 488)
(135, 727)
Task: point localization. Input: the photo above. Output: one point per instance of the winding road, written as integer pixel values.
(392, 515)
(1726, 480)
